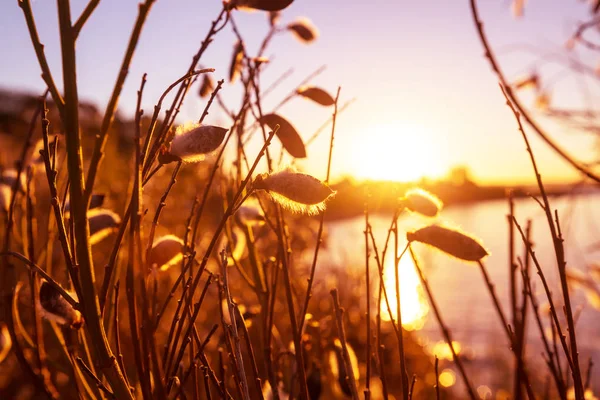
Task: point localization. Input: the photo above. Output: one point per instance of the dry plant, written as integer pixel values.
(204, 315)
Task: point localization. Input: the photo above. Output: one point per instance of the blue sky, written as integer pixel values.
(426, 98)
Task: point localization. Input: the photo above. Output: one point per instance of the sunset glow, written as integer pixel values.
(397, 152)
(413, 304)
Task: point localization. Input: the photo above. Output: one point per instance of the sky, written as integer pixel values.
(425, 98)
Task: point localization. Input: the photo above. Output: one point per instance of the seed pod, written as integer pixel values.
(5, 342)
(207, 86)
(166, 251)
(452, 242)
(295, 191)
(236, 61)
(337, 367)
(102, 223)
(422, 202)
(304, 30)
(264, 5)
(192, 142)
(317, 95)
(288, 136)
(55, 307)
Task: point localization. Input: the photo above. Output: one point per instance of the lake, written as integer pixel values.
(459, 289)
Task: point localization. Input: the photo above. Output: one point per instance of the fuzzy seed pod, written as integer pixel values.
(422, 202)
(337, 367)
(102, 223)
(450, 241)
(55, 307)
(304, 30)
(295, 191)
(5, 342)
(166, 251)
(192, 142)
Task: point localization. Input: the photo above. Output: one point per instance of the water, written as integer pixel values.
(458, 287)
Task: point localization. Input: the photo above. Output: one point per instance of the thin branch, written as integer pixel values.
(495, 66)
(559, 251)
(111, 107)
(44, 275)
(39, 52)
(85, 15)
(443, 327)
(313, 268)
(99, 383)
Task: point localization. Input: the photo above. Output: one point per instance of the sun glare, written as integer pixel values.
(413, 304)
(397, 152)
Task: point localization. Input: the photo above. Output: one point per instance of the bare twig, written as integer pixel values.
(555, 146)
(559, 251)
(444, 329)
(111, 107)
(313, 268)
(85, 15)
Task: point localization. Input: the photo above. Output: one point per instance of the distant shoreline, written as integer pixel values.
(350, 199)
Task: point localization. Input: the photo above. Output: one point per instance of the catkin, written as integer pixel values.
(450, 241)
(295, 191)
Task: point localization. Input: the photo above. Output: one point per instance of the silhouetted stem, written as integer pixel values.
(443, 327)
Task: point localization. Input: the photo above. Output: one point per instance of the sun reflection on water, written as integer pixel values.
(413, 304)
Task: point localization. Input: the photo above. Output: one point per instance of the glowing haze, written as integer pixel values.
(426, 99)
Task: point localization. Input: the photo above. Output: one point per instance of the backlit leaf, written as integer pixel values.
(287, 134)
(317, 95)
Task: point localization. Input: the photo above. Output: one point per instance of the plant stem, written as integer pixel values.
(91, 310)
(443, 327)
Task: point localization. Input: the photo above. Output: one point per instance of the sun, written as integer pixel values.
(402, 152)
